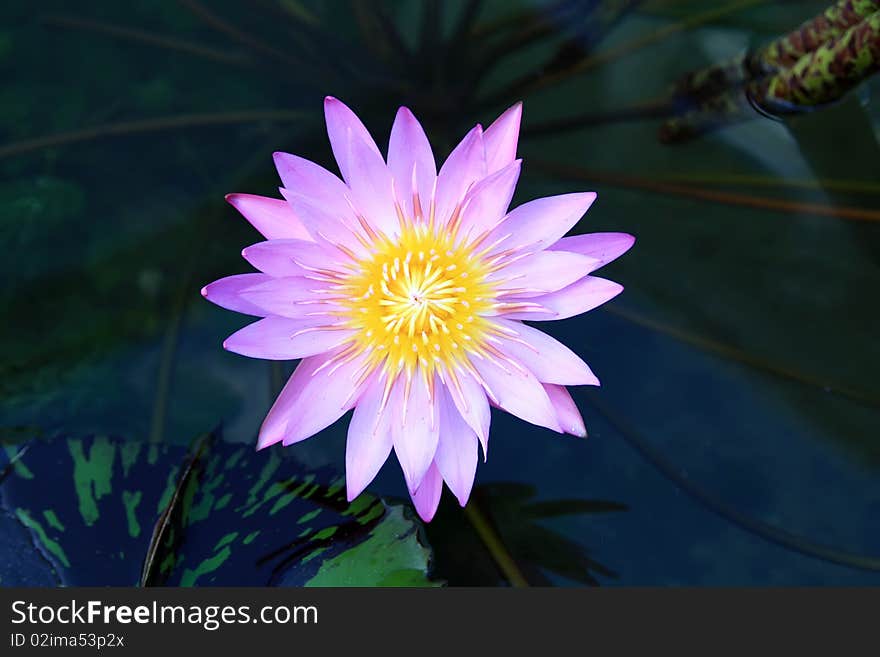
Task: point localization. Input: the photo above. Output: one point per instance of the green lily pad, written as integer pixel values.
(109, 512)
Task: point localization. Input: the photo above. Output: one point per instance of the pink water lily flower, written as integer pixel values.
(404, 290)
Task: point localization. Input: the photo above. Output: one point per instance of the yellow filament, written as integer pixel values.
(418, 301)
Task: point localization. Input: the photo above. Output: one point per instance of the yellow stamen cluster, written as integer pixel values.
(418, 301)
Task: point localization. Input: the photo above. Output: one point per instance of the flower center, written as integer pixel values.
(420, 299)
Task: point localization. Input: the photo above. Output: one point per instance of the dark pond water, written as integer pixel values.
(736, 437)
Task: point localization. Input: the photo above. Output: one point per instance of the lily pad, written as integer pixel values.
(105, 511)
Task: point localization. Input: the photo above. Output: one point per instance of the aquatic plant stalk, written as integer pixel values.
(149, 38)
(569, 67)
(500, 554)
(785, 51)
(815, 65)
(692, 191)
(711, 502)
(823, 75)
(126, 128)
(780, 53)
(733, 353)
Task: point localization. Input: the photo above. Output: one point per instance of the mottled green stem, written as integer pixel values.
(780, 53)
(815, 65)
(785, 51)
(824, 75)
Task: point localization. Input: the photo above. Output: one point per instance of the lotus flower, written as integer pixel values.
(404, 290)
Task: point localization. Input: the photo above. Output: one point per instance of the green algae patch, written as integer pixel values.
(207, 566)
(130, 501)
(92, 475)
(52, 546)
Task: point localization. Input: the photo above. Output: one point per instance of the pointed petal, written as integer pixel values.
(415, 428)
(518, 392)
(310, 401)
(501, 138)
(588, 293)
(473, 406)
(323, 188)
(456, 456)
(548, 359)
(465, 165)
(544, 271)
(226, 293)
(295, 296)
(282, 258)
(427, 497)
(488, 200)
(538, 224)
(369, 439)
(280, 338)
(604, 247)
(271, 216)
(325, 228)
(408, 151)
(361, 165)
(566, 410)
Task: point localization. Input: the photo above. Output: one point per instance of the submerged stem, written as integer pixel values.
(712, 503)
(126, 33)
(690, 191)
(495, 545)
(740, 356)
(534, 82)
(125, 128)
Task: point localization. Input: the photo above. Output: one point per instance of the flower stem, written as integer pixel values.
(715, 196)
(495, 545)
(536, 81)
(716, 505)
(140, 36)
(730, 352)
(276, 378)
(147, 125)
(217, 23)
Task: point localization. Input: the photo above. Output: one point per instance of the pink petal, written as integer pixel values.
(271, 216)
(409, 153)
(538, 224)
(604, 247)
(588, 293)
(548, 359)
(226, 293)
(369, 439)
(501, 138)
(325, 228)
(361, 165)
(544, 271)
(465, 165)
(566, 410)
(488, 200)
(415, 428)
(288, 257)
(305, 178)
(427, 497)
(456, 456)
(472, 405)
(290, 297)
(311, 401)
(518, 392)
(279, 338)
